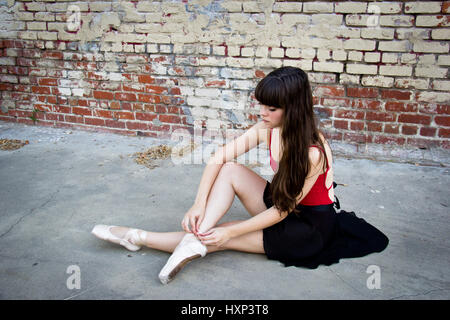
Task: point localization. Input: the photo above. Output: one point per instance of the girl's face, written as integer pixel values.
(271, 116)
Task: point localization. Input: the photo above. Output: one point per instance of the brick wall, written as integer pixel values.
(379, 70)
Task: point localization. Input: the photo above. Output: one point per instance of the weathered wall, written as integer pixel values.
(379, 70)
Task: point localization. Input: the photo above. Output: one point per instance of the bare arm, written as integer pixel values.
(272, 215)
(220, 235)
(228, 152)
(260, 221)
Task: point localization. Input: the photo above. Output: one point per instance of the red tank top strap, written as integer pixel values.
(328, 166)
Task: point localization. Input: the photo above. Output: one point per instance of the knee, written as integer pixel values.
(230, 168)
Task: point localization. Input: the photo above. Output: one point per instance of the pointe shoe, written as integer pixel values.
(187, 250)
(104, 232)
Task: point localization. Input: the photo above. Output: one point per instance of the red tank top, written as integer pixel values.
(318, 195)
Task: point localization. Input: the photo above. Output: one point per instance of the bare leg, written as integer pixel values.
(167, 241)
(233, 179)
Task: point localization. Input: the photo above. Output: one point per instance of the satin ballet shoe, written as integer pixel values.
(128, 241)
(187, 250)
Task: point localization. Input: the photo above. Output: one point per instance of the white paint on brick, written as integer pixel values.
(396, 70)
(377, 81)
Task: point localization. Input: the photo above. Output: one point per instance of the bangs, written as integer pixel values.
(269, 92)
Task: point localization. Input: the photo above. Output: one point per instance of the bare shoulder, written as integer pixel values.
(261, 131)
(315, 156)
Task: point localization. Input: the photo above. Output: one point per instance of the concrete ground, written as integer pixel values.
(56, 188)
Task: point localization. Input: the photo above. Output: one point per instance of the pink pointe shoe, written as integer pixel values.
(187, 250)
(131, 237)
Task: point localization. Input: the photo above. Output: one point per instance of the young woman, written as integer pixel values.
(293, 219)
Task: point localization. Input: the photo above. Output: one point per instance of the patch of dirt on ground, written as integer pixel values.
(12, 144)
(150, 157)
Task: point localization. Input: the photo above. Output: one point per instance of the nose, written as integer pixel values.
(263, 111)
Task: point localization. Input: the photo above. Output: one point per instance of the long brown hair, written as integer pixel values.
(288, 88)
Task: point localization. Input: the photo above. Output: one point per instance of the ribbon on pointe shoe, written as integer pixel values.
(188, 249)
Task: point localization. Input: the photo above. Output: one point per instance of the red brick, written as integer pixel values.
(26, 62)
(43, 107)
(435, 108)
(400, 106)
(169, 118)
(127, 106)
(136, 87)
(125, 96)
(62, 109)
(124, 115)
(104, 95)
(53, 116)
(132, 125)
(380, 116)
(446, 7)
(422, 143)
(259, 74)
(94, 121)
(349, 114)
(52, 100)
(73, 119)
(145, 79)
(357, 137)
(41, 90)
(414, 118)
(175, 91)
(155, 89)
(332, 135)
(367, 104)
(391, 128)
(362, 92)
(160, 109)
(409, 130)
(323, 112)
(21, 71)
(389, 140)
(444, 133)
(115, 105)
(442, 120)
(6, 87)
(145, 116)
(357, 125)
(328, 91)
(395, 94)
(103, 113)
(149, 98)
(174, 110)
(341, 124)
(374, 126)
(82, 111)
(53, 55)
(427, 131)
(114, 124)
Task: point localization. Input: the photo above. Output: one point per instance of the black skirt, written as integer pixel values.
(319, 235)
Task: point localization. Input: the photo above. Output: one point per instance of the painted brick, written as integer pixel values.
(378, 69)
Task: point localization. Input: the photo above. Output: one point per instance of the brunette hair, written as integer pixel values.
(288, 88)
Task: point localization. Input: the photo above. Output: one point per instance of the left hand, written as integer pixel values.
(215, 236)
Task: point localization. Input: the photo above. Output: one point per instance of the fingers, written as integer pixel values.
(192, 221)
(199, 222)
(208, 238)
(185, 225)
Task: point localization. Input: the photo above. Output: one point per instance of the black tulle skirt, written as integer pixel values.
(319, 235)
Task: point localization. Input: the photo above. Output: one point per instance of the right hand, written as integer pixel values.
(193, 218)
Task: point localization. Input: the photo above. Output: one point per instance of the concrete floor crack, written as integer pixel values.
(28, 214)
